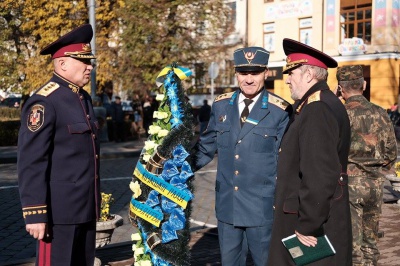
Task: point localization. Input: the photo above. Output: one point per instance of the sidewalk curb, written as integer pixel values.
(7, 160)
(8, 154)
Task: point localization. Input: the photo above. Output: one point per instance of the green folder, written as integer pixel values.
(303, 255)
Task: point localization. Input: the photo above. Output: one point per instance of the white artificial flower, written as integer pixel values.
(138, 251)
(135, 187)
(163, 132)
(160, 97)
(136, 237)
(149, 144)
(144, 263)
(133, 247)
(160, 115)
(154, 129)
(146, 157)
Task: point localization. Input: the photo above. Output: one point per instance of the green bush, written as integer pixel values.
(9, 132)
(9, 128)
(7, 113)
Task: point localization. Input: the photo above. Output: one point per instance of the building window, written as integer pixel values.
(269, 36)
(305, 30)
(355, 19)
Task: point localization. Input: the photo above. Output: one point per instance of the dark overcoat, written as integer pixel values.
(247, 157)
(312, 190)
(58, 156)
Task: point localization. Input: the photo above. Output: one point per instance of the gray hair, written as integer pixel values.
(319, 73)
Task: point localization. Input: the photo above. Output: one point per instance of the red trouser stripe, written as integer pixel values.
(44, 253)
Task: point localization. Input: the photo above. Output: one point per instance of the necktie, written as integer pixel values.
(245, 111)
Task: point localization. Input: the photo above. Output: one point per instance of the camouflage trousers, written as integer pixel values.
(365, 207)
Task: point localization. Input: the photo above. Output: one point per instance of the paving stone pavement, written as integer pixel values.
(117, 164)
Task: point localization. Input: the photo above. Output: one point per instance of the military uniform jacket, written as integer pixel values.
(58, 155)
(312, 190)
(247, 157)
(373, 142)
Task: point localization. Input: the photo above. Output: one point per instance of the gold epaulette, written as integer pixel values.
(281, 103)
(315, 97)
(224, 96)
(34, 210)
(47, 89)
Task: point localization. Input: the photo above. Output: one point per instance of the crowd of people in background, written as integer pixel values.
(204, 115)
(132, 118)
(130, 123)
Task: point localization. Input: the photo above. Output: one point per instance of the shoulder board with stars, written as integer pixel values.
(281, 103)
(224, 96)
(47, 89)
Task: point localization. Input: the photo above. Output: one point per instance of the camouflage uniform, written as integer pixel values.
(373, 149)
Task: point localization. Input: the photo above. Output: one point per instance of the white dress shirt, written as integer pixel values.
(242, 105)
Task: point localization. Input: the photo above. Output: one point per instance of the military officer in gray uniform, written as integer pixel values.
(245, 128)
(58, 157)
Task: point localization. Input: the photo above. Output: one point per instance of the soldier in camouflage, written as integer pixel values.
(373, 150)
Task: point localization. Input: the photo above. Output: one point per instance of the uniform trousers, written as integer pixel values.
(68, 245)
(365, 197)
(234, 242)
(203, 126)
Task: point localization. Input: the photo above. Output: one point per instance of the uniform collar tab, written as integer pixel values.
(231, 101)
(74, 88)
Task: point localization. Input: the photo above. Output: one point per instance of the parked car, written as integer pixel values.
(11, 102)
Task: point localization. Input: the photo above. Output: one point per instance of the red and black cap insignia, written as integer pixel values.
(36, 117)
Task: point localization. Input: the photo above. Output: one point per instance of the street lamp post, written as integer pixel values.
(92, 21)
(99, 111)
(213, 73)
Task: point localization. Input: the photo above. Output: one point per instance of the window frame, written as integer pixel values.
(269, 31)
(354, 25)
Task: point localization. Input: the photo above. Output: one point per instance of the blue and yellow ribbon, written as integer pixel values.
(146, 212)
(182, 72)
(171, 192)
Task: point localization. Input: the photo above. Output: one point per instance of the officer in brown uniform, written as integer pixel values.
(311, 197)
(373, 151)
(58, 157)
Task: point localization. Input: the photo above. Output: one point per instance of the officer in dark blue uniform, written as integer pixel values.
(58, 157)
(245, 128)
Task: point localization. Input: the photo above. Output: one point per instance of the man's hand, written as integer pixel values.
(38, 230)
(306, 240)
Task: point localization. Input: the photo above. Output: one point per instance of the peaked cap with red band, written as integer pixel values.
(75, 43)
(300, 54)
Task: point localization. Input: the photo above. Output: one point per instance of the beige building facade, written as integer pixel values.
(364, 32)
